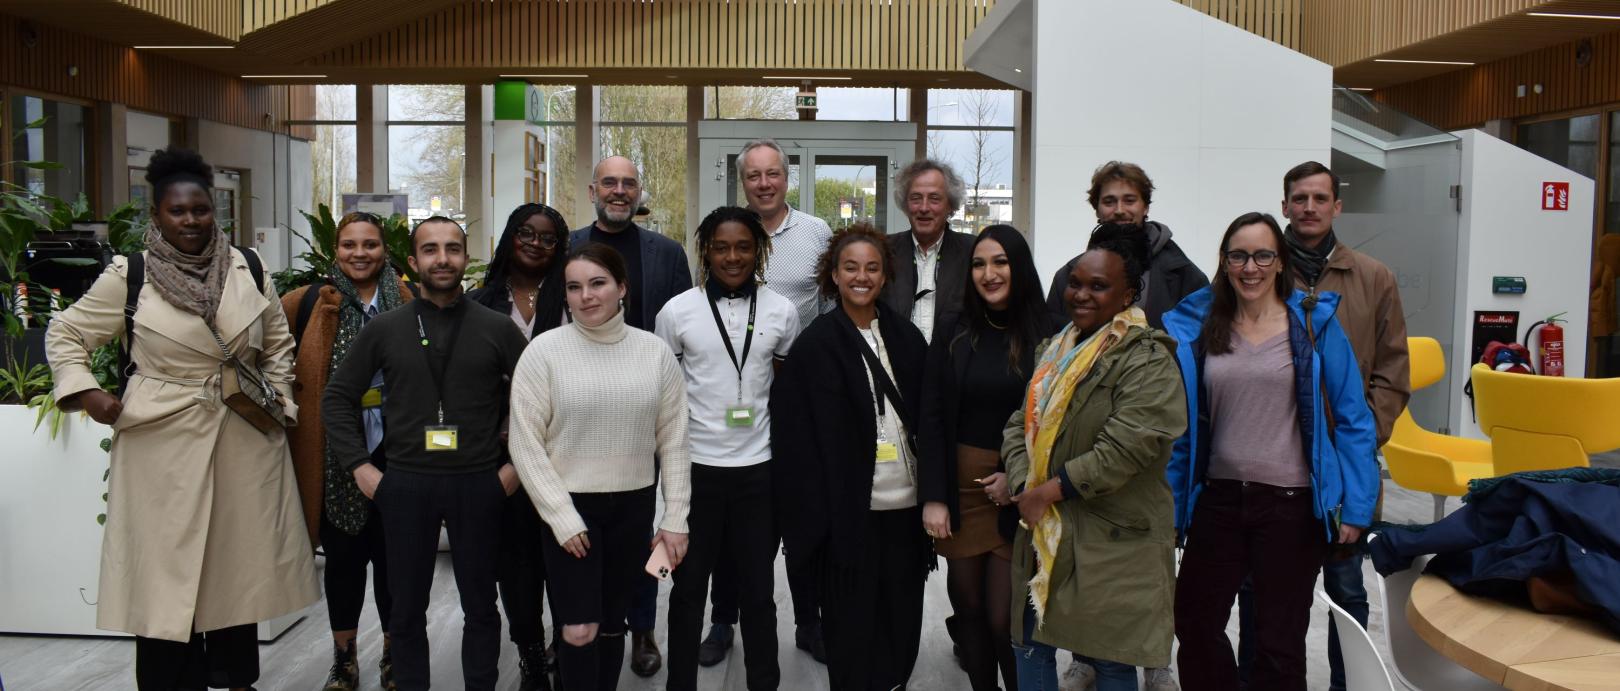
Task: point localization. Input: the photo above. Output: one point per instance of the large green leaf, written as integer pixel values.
(41, 165)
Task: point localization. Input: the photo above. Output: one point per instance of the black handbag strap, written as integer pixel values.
(890, 391)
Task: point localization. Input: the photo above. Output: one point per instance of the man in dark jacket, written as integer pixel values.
(930, 260)
(1121, 193)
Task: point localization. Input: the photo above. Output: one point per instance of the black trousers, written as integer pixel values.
(345, 573)
(1271, 535)
(801, 587)
(732, 523)
(872, 615)
(522, 570)
(413, 505)
(224, 658)
(597, 589)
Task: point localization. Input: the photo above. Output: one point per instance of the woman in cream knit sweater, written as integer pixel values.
(593, 404)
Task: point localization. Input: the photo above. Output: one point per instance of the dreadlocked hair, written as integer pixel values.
(733, 214)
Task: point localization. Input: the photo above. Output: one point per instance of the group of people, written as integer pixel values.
(864, 403)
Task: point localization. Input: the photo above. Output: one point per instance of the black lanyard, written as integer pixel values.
(748, 338)
(435, 367)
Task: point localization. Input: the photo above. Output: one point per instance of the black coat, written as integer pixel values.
(950, 280)
(823, 433)
(549, 307)
(941, 408)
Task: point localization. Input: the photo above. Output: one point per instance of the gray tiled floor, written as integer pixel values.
(298, 660)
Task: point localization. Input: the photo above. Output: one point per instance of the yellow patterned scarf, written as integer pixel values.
(1061, 367)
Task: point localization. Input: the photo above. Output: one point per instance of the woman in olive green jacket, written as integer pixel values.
(1089, 450)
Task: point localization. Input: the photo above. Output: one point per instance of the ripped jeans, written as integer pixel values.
(1037, 664)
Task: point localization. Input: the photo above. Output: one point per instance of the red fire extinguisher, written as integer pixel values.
(1552, 344)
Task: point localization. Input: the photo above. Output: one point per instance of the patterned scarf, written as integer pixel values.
(1309, 262)
(346, 506)
(1062, 366)
(191, 282)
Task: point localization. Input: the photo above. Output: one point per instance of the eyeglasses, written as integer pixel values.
(1235, 259)
(630, 184)
(529, 237)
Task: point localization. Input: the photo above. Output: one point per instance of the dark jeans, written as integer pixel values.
(597, 588)
(872, 621)
(1270, 534)
(731, 524)
(345, 572)
(522, 570)
(224, 658)
(1343, 583)
(413, 505)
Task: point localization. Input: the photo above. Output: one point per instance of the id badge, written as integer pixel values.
(740, 416)
(441, 438)
(887, 452)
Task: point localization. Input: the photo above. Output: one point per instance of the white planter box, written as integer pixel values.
(50, 542)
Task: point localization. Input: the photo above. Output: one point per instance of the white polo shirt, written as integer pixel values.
(712, 387)
(796, 247)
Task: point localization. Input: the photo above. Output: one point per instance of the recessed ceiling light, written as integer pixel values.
(839, 79)
(1573, 16)
(1360, 88)
(544, 76)
(283, 76)
(1018, 70)
(1425, 62)
(181, 47)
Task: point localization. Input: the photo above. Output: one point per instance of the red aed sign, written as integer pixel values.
(1555, 196)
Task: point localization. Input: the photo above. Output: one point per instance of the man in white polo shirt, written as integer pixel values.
(728, 334)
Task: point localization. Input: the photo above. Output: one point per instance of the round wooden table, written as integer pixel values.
(1513, 645)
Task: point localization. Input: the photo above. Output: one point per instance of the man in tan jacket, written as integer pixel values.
(1370, 313)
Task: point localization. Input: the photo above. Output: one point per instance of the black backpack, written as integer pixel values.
(135, 279)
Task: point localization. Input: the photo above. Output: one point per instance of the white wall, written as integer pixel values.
(1505, 233)
(277, 181)
(148, 133)
(1213, 113)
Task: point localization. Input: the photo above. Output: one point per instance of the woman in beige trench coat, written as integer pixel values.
(204, 532)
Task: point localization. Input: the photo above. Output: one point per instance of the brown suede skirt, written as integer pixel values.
(978, 532)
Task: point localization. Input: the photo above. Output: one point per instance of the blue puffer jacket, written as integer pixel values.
(1343, 455)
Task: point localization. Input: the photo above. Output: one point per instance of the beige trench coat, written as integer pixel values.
(204, 529)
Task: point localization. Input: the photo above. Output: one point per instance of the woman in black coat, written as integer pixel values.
(846, 468)
(978, 369)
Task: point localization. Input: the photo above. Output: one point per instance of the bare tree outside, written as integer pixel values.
(427, 161)
(982, 163)
(332, 153)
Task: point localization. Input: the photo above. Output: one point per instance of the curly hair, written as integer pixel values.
(955, 189)
(1129, 242)
(733, 214)
(175, 165)
(860, 232)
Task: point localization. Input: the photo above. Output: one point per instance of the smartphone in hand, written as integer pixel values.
(658, 565)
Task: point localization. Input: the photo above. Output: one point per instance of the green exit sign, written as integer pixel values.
(805, 101)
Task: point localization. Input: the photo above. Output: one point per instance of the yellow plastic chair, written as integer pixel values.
(1545, 423)
(1424, 461)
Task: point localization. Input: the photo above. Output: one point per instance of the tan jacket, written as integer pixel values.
(309, 382)
(1370, 314)
(203, 529)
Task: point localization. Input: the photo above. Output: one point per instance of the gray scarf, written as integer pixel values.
(191, 282)
(346, 507)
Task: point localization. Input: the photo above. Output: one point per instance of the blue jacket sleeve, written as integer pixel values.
(1355, 433)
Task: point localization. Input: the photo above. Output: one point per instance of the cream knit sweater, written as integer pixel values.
(590, 408)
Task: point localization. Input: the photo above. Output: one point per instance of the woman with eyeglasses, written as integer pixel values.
(326, 317)
(1279, 466)
(525, 281)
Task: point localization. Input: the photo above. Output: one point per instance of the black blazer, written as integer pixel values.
(955, 256)
(548, 310)
(664, 271)
(941, 408)
(822, 432)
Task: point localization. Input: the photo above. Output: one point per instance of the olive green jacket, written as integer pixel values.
(1113, 581)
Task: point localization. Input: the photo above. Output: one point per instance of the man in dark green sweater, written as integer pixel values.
(448, 365)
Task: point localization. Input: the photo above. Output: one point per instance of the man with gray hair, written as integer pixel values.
(797, 243)
(930, 261)
(797, 238)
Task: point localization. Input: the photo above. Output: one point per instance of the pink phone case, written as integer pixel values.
(658, 565)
